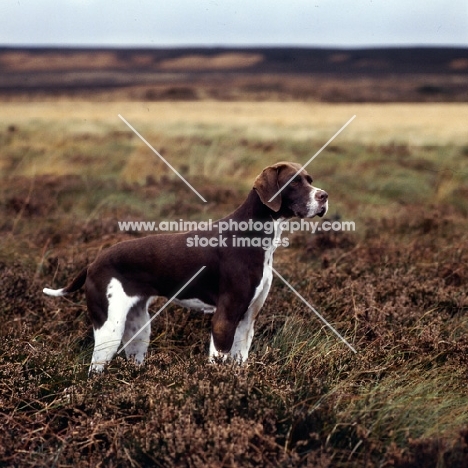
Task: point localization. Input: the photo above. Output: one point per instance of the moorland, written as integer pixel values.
(395, 288)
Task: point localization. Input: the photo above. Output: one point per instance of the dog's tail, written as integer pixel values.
(76, 284)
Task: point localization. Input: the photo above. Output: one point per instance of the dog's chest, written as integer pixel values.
(263, 288)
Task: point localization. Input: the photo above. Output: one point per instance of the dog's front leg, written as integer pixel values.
(243, 336)
(241, 342)
(245, 329)
(223, 329)
(232, 332)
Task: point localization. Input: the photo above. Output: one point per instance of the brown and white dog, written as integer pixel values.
(121, 283)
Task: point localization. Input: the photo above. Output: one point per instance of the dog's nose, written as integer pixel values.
(321, 196)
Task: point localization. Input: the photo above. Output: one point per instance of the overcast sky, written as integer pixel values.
(155, 23)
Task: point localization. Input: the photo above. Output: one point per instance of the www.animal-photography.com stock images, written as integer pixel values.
(234, 234)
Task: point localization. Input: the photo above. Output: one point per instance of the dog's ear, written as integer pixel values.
(266, 185)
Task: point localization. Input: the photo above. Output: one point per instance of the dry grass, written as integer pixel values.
(412, 124)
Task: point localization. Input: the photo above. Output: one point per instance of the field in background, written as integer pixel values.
(401, 74)
(396, 288)
(429, 124)
(391, 156)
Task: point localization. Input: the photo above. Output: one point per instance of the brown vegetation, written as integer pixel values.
(397, 289)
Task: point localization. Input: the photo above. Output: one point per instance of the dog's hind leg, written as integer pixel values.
(137, 331)
(108, 337)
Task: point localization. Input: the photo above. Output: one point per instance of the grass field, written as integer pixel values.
(396, 288)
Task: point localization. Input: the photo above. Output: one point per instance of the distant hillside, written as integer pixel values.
(391, 74)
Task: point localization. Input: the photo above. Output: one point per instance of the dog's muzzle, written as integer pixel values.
(318, 204)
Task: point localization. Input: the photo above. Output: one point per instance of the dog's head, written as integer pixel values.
(298, 198)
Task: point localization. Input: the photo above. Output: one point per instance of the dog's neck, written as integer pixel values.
(253, 208)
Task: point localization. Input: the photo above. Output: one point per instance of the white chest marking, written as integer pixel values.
(261, 291)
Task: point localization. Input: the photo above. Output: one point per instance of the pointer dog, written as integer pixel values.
(121, 283)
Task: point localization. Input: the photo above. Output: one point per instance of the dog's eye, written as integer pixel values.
(297, 179)
(309, 179)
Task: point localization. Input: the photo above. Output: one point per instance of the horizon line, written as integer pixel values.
(383, 45)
